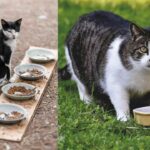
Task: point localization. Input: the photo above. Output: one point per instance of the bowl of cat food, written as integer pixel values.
(142, 115)
(19, 91)
(40, 55)
(30, 71)
(12, 113)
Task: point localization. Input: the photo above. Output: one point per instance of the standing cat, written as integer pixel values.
(8, 36)
(107, 54)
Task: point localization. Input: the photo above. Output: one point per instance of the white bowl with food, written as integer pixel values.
(40, 55)
(30, 71)
(19, 91)
(12, 113)
(142, 115)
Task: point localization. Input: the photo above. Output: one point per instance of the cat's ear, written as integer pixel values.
(4, 23)
(18, 22)
(136, 31)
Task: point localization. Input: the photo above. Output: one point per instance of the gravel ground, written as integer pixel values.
(39, 28)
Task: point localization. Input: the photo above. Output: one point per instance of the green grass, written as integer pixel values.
(89, 127)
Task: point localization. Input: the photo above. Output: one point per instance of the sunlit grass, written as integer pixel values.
(114, 3)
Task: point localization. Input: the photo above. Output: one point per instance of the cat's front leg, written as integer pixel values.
(7, 71)
(120, 99)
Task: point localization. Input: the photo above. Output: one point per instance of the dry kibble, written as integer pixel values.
(19, 90)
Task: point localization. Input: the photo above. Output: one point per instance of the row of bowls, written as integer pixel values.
(39, 55)
(36, 55)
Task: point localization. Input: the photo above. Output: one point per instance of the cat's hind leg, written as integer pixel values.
(84, 96)
(83, 93)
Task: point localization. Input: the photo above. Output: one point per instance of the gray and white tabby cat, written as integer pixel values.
(108, 55)
(8, 36)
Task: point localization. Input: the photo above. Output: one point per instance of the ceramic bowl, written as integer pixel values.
(6, 87)
(8, 109)
(22, 69)
(142, 115)
(40, 55)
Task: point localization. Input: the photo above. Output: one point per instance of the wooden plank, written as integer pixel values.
(16, 132)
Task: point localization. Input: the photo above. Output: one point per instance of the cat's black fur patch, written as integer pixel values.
(5, 53)
(11, 25)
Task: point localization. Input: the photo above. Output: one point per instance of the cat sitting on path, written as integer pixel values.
(8, 37)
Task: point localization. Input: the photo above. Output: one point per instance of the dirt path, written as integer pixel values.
(39, 28)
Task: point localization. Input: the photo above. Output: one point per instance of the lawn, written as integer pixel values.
(90, 127)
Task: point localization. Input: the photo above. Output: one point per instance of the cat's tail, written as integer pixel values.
(64, 74)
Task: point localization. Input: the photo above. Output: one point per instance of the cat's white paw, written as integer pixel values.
(12, 80)
(85, 98)
(123, 117)
(87, 101)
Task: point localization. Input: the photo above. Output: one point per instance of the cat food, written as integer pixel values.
(12, 116)
(20, 91)
(31, 73)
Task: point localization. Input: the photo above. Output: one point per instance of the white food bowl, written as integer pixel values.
(142, 115)
(6, 87)
(8, 109)
(40, 55)
(25, 67)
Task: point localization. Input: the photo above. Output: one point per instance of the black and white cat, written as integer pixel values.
(8, 36)
(109, 55)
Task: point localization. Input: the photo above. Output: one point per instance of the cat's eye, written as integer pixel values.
(143, 50)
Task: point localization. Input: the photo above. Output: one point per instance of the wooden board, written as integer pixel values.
(16, 132)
